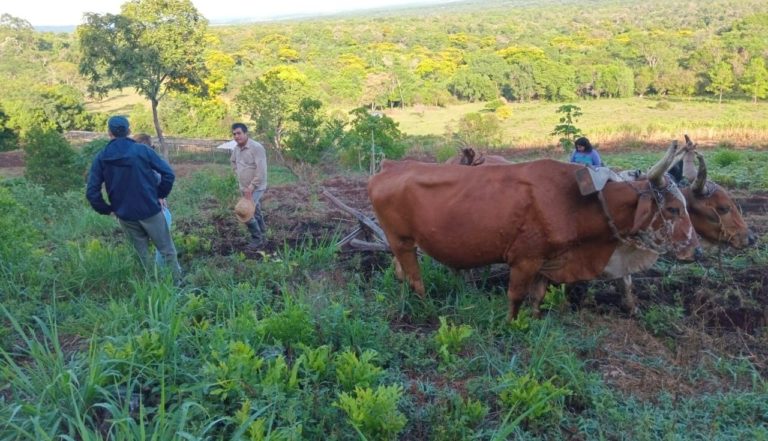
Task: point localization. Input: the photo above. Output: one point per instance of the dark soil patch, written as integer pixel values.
(14, 158)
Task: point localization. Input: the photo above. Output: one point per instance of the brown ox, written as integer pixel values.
(530, 216)
(713, 213)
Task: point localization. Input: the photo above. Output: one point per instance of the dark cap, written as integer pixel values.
(118, 125)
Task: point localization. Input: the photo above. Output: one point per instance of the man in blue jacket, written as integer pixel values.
(127, 169)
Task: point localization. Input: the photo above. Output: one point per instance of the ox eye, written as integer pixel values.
(673, 211)
(723, 210)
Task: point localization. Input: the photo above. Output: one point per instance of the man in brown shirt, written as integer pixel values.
(249, 162)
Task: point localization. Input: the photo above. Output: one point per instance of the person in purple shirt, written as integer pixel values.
(585, 154)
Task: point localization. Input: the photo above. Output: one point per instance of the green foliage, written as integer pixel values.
(9, 138)
(88, 152)
(305, 142)
(451, 339)
(721, 79)
(51, 161)
(271, 99)
(529, 398)
(726, 157)
(663, 320)
(554, 298)
(153, 46)
(755, 79)
(17, 236)
(291, 326)
(371, 138)
(478, 130)
(567, 130)
(374, 412)
(459, 419)
(353, 372)
(471, 86)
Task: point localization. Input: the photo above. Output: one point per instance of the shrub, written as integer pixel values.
(724, 157)
(17, 237)
(481, 130)
(89, 151)
(374, 412)
(51, 161)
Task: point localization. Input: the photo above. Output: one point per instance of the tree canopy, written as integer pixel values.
(153, 46)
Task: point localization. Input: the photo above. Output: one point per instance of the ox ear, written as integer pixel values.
(642, 213)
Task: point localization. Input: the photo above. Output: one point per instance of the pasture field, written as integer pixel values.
(610, 122)
(302, 340)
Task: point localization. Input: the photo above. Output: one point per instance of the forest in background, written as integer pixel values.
(496, 52)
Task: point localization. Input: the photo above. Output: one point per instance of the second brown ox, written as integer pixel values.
(530, 216)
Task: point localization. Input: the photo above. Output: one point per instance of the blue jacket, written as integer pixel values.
(128, 170)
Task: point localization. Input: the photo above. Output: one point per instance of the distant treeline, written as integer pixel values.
(458, 52)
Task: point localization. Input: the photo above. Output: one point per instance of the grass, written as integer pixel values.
(610, 121)
(93, 348)
(117, 102)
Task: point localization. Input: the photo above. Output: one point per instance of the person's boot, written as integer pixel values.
(257, 238)
(260, 219)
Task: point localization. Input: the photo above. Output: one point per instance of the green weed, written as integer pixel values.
(373, 412)
(353, 372)
(451, 339)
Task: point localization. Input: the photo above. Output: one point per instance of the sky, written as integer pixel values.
(70, 12)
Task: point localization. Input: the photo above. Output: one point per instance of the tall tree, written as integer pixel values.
(153, 46)
(720, 79)
(271, 99)
(755, 79)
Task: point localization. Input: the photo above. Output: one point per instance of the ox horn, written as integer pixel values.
(701, 177)
(688, 140)
(656, 173)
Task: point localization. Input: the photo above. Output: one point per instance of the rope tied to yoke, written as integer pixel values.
(656, 241)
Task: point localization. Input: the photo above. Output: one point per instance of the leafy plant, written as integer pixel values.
(554, 298)
(724, 157)
(353, 372)
(51, 161)
(371, 138)
(527, 396)
(662, 320)
(567, 130)
(451, 338)
(293, 325)
(374, 412)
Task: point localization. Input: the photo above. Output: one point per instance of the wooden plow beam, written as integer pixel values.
(373, 239)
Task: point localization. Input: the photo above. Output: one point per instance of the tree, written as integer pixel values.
(153, 46)
(8, 137)
(371, 138)
(755, 79)
(566, 129)
(271, 99)
(720, 79)
(304, 142)
(479, 130)
(472, 86)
